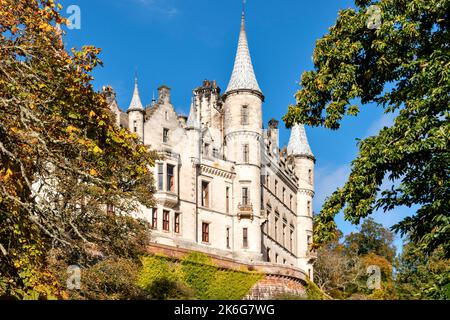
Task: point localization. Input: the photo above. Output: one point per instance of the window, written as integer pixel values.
(135, 126)
(245, 153)
(205, 194)
(308, 208)
(276, 188)
(268, 254)
(290, 201)
(282, 195)
(170, 178)
(244, 115)
(155, 218)
(227, 200)
(166, 220)
(310, 176)
(160, 176)
(284, 234)
(245, 196)
(206, 149)
(177, 222)
(228, 238)
(291, 240)
(276, 229)
(215, 153)
(166, 115)
(276, 258)
(205, 232)
(165, 135)
(110, 209)
(284, 261)
(245, 238)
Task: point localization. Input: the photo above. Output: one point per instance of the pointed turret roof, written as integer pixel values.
(192, 120)
(298, 143)
(243, 76)
(136, 103)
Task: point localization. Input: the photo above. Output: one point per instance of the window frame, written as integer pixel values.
(205, 232)
(166, 220)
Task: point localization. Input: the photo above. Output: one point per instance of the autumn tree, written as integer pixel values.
(341, 266)
(62, 159)
(399, 61)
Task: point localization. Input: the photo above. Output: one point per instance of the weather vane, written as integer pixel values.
(244, 2)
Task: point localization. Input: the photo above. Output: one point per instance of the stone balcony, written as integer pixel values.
(245, 211)
(167, 198)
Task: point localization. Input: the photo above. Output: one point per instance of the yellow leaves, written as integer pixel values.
(71, 129)
(5, 176)
(92, 114)
(93, 172)
(46, 27)
(97, 150)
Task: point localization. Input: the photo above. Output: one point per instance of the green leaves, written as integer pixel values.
(402, 66)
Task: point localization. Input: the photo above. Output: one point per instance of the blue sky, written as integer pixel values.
(182, 42)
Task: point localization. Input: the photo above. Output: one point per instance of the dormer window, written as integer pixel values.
(165, 135)
(244, 115)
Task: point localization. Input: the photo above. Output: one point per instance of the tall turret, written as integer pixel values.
(136, 113)
(243, 138)
(304, 161)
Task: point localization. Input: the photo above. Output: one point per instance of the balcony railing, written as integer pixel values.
(245, 211)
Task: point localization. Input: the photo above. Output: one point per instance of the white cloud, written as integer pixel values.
(161, 7)
(328, 179)
(386, 120)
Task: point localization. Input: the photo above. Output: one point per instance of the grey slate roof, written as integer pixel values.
(243, 76)
(298, 143)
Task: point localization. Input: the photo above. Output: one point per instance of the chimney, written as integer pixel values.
(273, 132)
(164, 95)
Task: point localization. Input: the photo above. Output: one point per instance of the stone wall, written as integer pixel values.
(271, 287)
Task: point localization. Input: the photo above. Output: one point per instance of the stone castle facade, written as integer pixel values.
(225, 187)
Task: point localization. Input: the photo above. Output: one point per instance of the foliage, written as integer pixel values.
(313, 292)
(404, 67)
(62, 158)
(372, 238)
(341, 268)
(195, 276)
(422, 276)
(109, 279)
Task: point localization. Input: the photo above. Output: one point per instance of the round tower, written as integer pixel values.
(304, 162)
(243, 137)
(136, 113)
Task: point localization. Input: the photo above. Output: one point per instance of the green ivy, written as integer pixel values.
(194, 277)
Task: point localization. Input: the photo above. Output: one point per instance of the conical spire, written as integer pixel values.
(243, 76)
(298, 143)
(192, 119)
(136, 103)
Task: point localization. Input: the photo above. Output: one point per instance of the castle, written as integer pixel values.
(225, 187)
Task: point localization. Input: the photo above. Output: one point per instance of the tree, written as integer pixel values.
(422, 276)
(341, 269)
(371, 238)
(403, 66)
(62, 159)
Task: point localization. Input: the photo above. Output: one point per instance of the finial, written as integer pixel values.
(244, 2)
